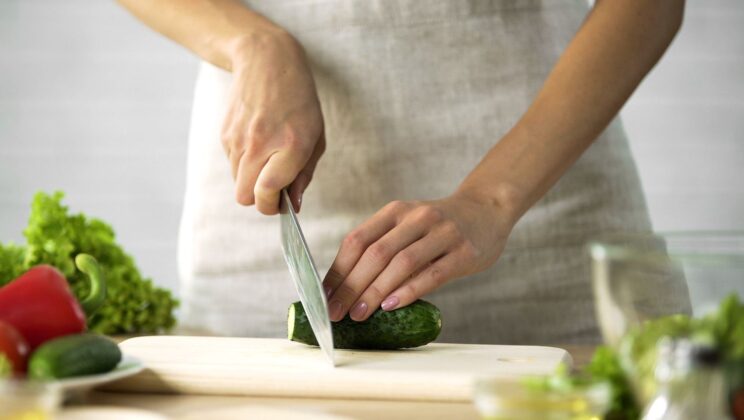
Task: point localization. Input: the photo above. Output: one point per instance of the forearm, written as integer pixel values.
(213, 29)
(616, 47)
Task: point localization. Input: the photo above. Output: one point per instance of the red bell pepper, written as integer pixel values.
(13, 347)
(41, 306)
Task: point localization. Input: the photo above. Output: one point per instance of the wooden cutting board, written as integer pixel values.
(278, 367)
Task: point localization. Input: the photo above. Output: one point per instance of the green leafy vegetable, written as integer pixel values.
(727, 327)
(631, 368)
(55, 237)
(723, 329)
(637, 353)
(12, 262)
(604, 367)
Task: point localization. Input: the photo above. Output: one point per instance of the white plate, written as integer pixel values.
(71, 386)
(111, 413)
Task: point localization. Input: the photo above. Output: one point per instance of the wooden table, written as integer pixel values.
(227, 407)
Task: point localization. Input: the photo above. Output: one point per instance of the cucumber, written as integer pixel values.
(412, 326)
(73, 355)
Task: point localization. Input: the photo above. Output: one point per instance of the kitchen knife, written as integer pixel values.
(305, 276)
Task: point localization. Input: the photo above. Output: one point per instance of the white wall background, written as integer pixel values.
(93, 103)
(686, 123)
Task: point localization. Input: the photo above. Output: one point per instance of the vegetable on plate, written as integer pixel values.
(74, 355)
(13, 351)
(40, 305)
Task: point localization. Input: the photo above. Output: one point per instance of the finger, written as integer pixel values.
(280, 170)
(297, 188)
(438, 273)
(405, 265)
(230, 138)
(234, 156)
(357, 241)
(300, 184)
(370, 265)
(247, 174)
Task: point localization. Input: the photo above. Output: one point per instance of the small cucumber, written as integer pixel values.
(73, 355)
(412, 326)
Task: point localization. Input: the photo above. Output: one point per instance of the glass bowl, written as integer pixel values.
(28, 400)
(508, 398)
(642, 277)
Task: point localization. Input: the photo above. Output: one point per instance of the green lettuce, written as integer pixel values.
(54, 236)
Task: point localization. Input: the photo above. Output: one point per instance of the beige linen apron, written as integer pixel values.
(414, 93)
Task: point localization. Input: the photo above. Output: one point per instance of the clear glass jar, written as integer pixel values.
(641, 277)
(28, 400)
(501, 399)
(637, 278)
(691, 383)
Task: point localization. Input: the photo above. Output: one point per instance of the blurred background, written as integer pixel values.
(95, 104)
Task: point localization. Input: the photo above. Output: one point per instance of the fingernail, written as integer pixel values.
(327, 290)
(390, 303)
(359, 311)
(335, 310)
(299, 202)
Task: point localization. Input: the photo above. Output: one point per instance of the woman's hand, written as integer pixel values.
(408, 249)
(273, 130)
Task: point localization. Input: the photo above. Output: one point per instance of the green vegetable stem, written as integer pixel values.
(97, 295)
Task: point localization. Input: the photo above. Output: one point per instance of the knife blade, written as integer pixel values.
(305, 276)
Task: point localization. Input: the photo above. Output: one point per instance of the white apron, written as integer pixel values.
(414, 93)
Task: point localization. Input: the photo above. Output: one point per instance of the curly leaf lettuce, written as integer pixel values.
(55, 237)
(12, 262)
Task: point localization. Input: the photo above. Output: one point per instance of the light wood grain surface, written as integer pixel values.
(214, 407)
(278, 367)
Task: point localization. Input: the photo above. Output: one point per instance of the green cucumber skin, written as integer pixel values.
(412, 326)
(73, 355)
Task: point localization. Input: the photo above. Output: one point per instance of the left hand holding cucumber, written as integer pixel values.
(408, 249)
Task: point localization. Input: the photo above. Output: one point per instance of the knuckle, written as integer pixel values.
(373, 293)
(225, 140)
(379, 252)
(345, 293)
(428, 213)
(396, 207)
(411, 289)
(407, 261)
(450, 229)
(267, 185)
(470, 251)
(252, 148)
(436, 275)
(333, 277)
(259, 129)
(354, 240)
(229, 139)
(295, 142)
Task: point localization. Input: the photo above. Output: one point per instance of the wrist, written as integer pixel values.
(242, 48)
(504, 199)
